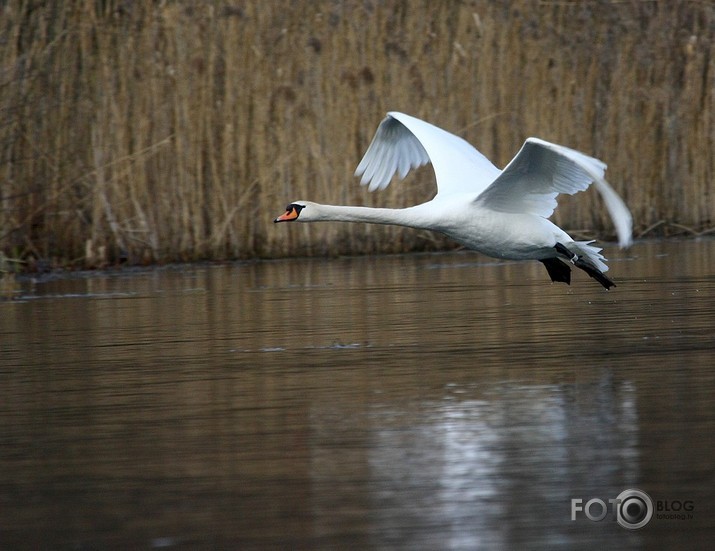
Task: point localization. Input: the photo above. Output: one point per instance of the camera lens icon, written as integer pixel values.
(634, 509)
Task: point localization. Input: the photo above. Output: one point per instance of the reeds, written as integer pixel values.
(178, 130)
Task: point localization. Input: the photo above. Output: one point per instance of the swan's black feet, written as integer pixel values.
(594, 272)
(579, 262)
(558, 271)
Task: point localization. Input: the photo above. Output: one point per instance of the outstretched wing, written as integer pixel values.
(540, 171)
(402, 143)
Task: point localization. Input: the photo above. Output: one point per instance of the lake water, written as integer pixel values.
(440, 401)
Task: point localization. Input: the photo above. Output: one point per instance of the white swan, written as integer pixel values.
(501, 213)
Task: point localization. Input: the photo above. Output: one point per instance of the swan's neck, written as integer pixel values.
(414, 217)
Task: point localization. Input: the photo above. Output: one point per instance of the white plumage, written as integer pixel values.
(502, 213)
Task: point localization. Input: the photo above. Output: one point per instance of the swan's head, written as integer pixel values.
(293, 211)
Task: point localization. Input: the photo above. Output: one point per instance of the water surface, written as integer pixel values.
(400, 402)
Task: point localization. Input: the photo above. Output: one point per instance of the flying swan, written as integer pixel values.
(501, 213)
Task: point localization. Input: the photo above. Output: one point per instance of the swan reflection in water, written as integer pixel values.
(492, 469)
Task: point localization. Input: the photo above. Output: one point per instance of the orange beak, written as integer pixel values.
(287, 216)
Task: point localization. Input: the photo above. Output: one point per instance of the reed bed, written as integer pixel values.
(164, 131)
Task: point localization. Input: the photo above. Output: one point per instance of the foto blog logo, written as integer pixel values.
(632, 508)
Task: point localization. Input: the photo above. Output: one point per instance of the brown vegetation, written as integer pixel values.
(177, 130)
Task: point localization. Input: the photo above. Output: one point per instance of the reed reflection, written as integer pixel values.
(423, 401)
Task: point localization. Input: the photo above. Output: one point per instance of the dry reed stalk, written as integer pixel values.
(177, 130)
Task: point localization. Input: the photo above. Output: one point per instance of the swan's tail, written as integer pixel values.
(583, 255)
(589, 253)
(591, 261)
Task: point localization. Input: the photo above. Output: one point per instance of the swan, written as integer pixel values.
(500, 213)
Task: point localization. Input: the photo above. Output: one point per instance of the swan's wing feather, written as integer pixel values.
(402, 143)
(542, 170)
(393, 149)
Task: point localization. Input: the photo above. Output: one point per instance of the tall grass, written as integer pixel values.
(178, 130)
